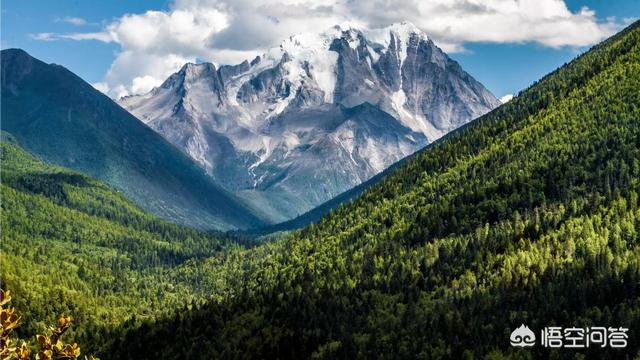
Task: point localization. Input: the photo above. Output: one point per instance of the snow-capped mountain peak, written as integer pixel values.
(402, 32)
(316, 115)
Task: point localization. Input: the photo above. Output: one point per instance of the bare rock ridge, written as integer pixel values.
(315, 116)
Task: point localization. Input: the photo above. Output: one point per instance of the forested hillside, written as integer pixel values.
(528, 215)
(72, 245)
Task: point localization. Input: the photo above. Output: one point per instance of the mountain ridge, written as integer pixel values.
(59, 117)
(287, 128)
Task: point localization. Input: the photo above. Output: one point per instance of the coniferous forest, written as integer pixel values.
(527, 215)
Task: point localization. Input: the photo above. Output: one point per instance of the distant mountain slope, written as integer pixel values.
(530, 215)
(316, 214)
(64, 120)
(317, 115)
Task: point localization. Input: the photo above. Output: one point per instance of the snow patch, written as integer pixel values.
(402, 30)
(373, 54)
(313, 49)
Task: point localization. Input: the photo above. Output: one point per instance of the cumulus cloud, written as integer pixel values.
(101, 86)
(155, 44)
(144, 84)
(133, 70)
(547, 22)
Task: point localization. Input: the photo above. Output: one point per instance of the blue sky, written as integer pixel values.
(505, 58)
(509, 68)
(89, 59)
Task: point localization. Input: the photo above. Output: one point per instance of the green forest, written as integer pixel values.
(528, 215)
(72, 245)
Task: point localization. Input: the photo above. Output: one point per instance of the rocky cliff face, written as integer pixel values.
(315, 116)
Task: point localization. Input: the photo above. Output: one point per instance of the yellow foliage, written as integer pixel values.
(51, 347)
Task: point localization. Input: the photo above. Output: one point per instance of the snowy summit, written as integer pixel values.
(315, 116)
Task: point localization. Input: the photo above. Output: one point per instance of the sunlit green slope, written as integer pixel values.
(72, 245)
(528, 215)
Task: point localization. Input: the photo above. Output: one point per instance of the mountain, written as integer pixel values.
(62, 119)
(71, 244)
(316, 116)
(316, 214)
(529, 215)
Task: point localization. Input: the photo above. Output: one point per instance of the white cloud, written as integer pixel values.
(48, 36)
(73, 20)
(45, 36)
(155, 44)
(100, 36)
(547, 22)
(144, 84)
(146, 67)
(506, 98)
(101, 86)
